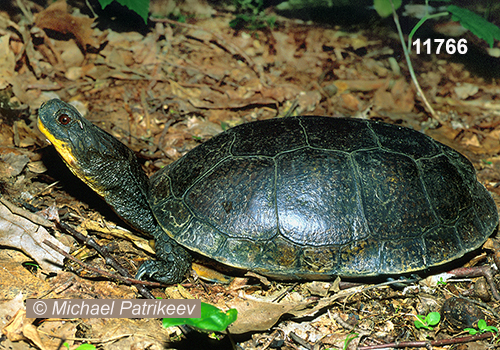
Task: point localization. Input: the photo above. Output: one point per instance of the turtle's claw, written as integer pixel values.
(160, 271)
(172, 265)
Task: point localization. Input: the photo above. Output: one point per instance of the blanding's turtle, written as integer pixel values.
(293, 198)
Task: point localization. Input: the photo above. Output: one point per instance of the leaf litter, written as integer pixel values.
(165, 91)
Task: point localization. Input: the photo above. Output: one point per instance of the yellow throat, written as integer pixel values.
(62, 147)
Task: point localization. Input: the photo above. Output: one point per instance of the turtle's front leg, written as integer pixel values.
(172, 264)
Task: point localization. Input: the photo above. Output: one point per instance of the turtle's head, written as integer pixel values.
(59, 122)
(105, 164)
(89, 151)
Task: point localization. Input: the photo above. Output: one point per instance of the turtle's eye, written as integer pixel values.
(64, 119)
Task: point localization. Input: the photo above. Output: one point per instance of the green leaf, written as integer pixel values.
(420, 323)
(491, 329)
(426, 322)
(483, 327)
(384, 7)
(83, 346)
(350, 337)
(471, 331)
(476, 24)
(481, 324)
(441, 281)
(141, 7)
(433, 318)
(212, 319)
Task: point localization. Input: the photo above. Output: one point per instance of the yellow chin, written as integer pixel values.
(64, 151)
(61, 147)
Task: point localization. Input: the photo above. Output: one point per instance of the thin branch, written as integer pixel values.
(410, 67)
(427, 343)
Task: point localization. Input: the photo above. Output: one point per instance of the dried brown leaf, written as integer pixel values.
(9, 308)
(12, 162)
(257, 315)
(56, 17)
(18, 232)
(21, 328)
(261, 315)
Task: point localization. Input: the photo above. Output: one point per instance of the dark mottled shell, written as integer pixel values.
(312, 197)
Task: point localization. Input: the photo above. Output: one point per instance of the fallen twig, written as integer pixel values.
(102, 272)
(427, 343)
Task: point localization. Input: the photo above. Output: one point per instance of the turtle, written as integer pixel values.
(293, 198)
